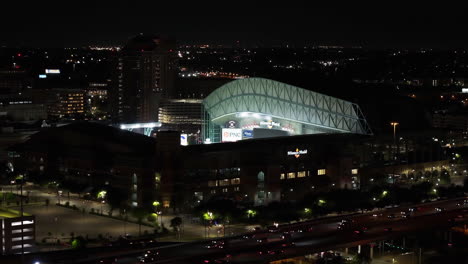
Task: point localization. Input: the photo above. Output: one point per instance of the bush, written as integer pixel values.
(67, 204)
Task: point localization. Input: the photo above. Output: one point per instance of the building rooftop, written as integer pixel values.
(92, 136)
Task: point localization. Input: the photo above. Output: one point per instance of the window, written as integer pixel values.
(261, 194)
(212, 183)
(261, 176)
(354, 171)
(301, 174)
(236, 189)
(225, 190)
(213, 191)
(224, 182)
(291, 175)
(235, 181)
(282, 176)
(321, 172)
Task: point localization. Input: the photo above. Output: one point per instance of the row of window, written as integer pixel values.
(302, 174)
(224, 182)
(225, 190)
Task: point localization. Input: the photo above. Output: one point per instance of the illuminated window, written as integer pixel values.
(301, 174)
(235, 181)
(282, 176)
(224, 182)
(321, 172)
(212, 183)
(354, 171)
(291, 175)
(225, 190)
(213, 191)
(236, 189)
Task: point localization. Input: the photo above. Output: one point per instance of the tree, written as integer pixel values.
(116, 198)
(175, 223)
(361, 259)
(78, 242)
(139, 213)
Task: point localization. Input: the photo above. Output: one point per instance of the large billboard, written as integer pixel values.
(231, 134)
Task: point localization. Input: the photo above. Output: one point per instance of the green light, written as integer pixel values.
(307, 210)
(101, 194)
(384, 193)
(156, 203)
(321, 202)
(251, 213)
(208, 216)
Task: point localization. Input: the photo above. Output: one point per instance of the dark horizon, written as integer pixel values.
(112, 23)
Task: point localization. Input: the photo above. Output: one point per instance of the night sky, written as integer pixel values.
(76, 23)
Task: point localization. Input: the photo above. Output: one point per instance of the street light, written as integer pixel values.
(160, 216)
(394, 124)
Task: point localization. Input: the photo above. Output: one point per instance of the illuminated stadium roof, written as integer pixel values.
(315, 112)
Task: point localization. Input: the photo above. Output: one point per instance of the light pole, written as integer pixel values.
(102, 203)
(125, 223)
(160, 216)
(394, 124)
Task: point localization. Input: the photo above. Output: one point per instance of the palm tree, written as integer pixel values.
(139, 213)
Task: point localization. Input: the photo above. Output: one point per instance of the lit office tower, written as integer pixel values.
(145, 75)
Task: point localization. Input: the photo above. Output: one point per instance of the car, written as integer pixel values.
(273, 229)
(405, 216)
(215, 244)
(412, 209)
(439, 209)
(275, 252)
(261, 240)
(360, 230)
(107, 261)
(247, 236)
(391, 216)
(341, 226)
(288, 244)
(347, 220)
(216, 261)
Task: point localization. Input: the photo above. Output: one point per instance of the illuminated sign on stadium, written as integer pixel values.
(297, 153)
(231, 134)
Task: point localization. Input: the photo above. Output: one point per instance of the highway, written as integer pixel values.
(320, 236)
(288, 240)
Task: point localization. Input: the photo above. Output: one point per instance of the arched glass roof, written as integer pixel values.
(280, 100)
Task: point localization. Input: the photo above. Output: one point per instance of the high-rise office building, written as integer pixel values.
(145, 74)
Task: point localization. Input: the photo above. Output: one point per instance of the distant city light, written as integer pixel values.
(140, 125)
(52, 71)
